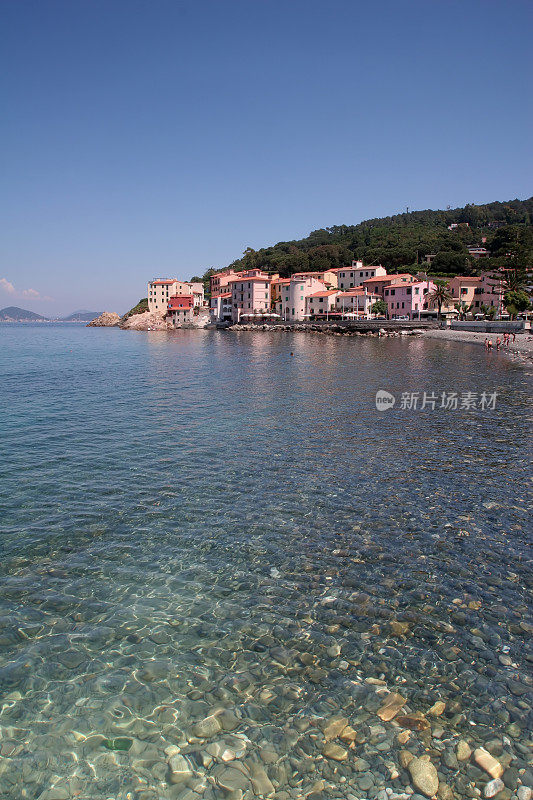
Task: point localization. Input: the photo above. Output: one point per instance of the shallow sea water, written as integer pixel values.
(201, 526)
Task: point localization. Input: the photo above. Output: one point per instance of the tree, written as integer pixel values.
(379, 307)
(250, 258)
(513, 280)
(440, 296)
(450, 261)
(516, 301)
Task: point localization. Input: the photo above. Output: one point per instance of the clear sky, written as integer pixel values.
(160, 138)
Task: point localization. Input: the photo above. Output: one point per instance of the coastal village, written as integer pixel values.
(355, 292)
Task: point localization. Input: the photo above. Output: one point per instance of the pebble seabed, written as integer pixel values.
(326, 621)
(286, 682)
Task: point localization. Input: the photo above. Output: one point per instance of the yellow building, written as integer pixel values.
(160, 292)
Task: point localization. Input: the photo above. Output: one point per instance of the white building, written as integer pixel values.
(350, 277)
(321, 302)
(221, 307)
(294, 295)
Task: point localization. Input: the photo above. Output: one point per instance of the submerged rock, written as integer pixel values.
(485, 761)
(424, 776)
(393, 703)
(334, 751)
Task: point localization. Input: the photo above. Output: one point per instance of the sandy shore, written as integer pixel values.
(522, 347)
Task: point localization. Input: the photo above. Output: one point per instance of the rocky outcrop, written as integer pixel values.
(106, 320)
(148, 321)
(332, 329)
(157, 321)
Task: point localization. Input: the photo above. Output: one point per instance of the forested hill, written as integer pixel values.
(401, 242)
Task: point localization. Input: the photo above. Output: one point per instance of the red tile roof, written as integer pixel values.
(323, 294)
(252, 278)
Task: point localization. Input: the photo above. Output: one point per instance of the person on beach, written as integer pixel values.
(489, 344)
(486, 343)
(514, 337)
(498, 343)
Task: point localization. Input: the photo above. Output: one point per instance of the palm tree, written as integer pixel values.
(513, 280)
(440, 296)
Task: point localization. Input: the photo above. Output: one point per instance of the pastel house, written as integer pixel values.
(294, 295)
(321, 303)
(407, 300)
(350, 277)
(180, 309)
(250, 294)
(161, 290)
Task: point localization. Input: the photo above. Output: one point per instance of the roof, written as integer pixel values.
(356, 269)
(408, 285)
(224, 294)
(324, 294)
(312, 274)
(171, 280)
(357, 293)
(465, 278)
(264, 279)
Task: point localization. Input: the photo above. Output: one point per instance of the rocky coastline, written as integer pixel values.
(333, 329)
(108, 319)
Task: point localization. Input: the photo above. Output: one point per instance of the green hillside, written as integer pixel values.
(401, 242)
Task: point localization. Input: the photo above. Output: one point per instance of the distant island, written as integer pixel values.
(81, 316)
(15, 314)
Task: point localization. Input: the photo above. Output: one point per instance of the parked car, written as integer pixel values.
(402, 319)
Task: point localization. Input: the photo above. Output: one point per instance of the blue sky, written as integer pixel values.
(160, 138)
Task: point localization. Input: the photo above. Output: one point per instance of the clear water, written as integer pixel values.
(199, 521)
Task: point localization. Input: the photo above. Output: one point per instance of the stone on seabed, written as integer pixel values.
(493, 787)
(463, 751)
(424, 776)
(393, 703)
(335, 751)
(488, 763)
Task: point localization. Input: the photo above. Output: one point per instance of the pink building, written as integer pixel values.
(218, 282)
(250, 294)
(378, 283)
(407, 300)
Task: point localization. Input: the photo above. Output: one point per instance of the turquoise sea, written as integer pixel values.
(218, 559)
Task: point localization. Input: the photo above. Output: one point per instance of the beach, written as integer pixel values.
(522, 346)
